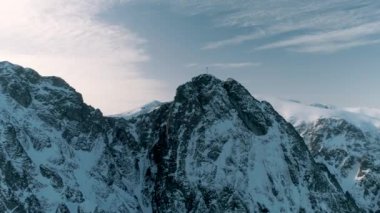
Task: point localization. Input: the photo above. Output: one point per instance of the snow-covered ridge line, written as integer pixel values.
(146, 108)
(346, 140)
(297, 112)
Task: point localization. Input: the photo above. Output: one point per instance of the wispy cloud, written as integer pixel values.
(332, 25)
(235, 40)
(233, 65)
(192, 65)
(67, 38)
(331, 41)
(223, 65)
(334, 47)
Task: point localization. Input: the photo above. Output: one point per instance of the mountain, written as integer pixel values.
(141, 110)
(214, 148)
(220, 150)
(346, 140)
(50, 149)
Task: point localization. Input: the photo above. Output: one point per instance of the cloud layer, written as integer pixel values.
(304, 26)
(219, 66)
(66, 38)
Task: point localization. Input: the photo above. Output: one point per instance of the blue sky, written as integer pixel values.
(122, 54)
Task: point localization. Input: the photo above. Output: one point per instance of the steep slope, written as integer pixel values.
(217, 149)
(347, 141)
(149, 107)
(50, 142)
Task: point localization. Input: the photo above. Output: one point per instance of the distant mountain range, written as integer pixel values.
(346, 140)
(214, 148)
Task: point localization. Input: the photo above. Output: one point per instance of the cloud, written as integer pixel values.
(292, 24)
(331, 41)
(234, 41)
(334, 47)
(234, 65)
(191, 65)
(68, 39)
(223, 65)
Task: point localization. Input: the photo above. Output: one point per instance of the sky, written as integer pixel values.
(121, 54)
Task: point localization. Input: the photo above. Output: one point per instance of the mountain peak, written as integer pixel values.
(149, 107)
(17, 72)
(51, 99)
(198, 86)
(207, 85)
(15, 81)
(25, 85)
(204, 79)
(206, 94)
(215, 138)
(6, 63)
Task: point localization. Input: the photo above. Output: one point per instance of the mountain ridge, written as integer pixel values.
(346, 140)
(214, 148)
(220, 108)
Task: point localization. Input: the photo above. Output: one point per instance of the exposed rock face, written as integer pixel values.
(213, 149)
(351, 153)
(346, 142)
(50, 142)
(217, 149)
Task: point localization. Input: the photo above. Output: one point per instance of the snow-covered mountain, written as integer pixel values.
(346, 140)
(51, 144)
(147, 108)
(215, 148)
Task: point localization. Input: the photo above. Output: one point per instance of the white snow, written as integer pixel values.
(365, 119)
(297, 113)
(140, 110)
